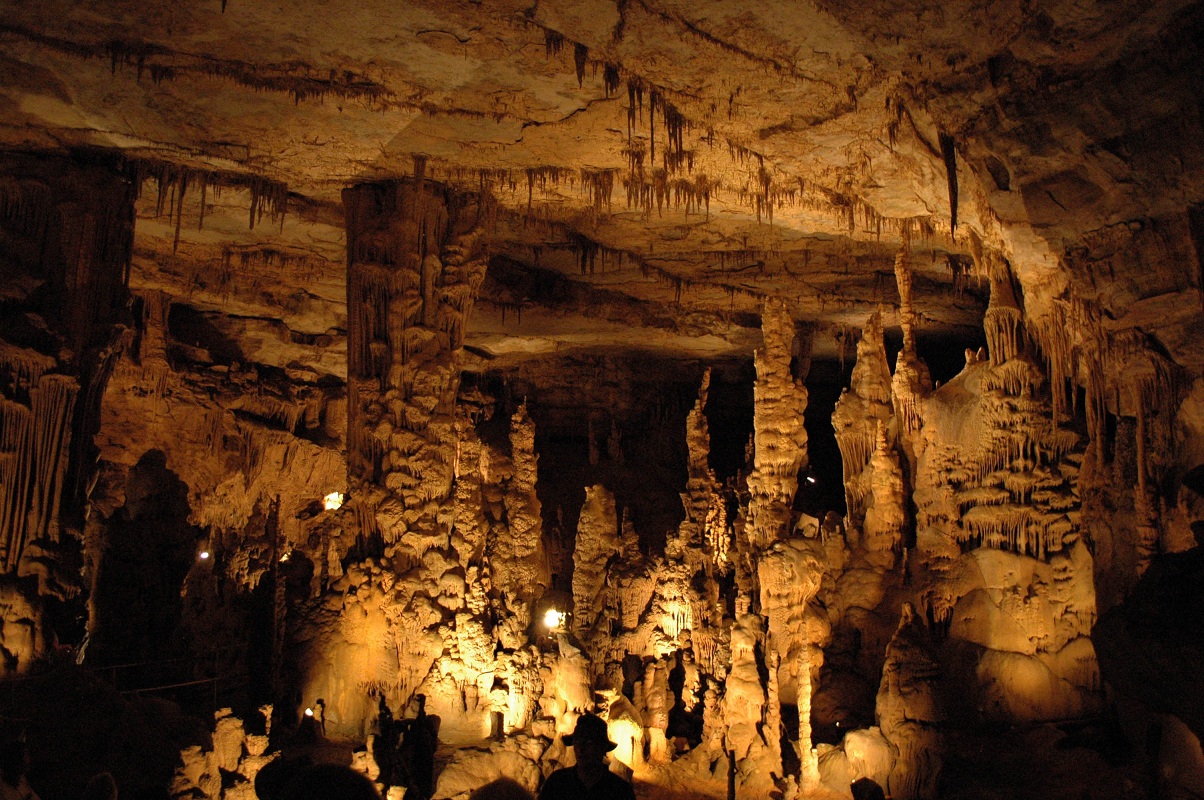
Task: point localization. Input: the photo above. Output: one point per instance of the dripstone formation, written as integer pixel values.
(814, 393)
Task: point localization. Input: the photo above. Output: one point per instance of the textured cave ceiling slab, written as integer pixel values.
(694, 156)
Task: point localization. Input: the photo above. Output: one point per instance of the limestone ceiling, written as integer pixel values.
(659, 166)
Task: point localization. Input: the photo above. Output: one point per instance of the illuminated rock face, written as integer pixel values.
(404, 364)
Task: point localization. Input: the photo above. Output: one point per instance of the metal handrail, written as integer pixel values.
(109, 673)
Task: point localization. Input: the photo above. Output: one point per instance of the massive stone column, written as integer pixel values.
(413, 273)
(414, 269)
(1005, 562)
(66, 231)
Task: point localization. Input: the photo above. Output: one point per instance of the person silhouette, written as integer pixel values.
(589, 779)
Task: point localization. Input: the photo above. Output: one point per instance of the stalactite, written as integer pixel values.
(611, 78)
(553, 42)
(34, 445)
(949, 154)
(600, 185)
(580, 57)
(266, 196)
(635, 103)
(1002, 321)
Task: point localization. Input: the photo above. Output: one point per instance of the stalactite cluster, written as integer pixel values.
(35, 441)
(267, 196)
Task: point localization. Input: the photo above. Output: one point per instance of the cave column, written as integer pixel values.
(414, 270)
(66, 228)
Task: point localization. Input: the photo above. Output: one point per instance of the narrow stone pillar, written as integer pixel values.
(780, 440)
(911, 382)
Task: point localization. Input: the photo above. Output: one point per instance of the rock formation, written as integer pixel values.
(433, 373)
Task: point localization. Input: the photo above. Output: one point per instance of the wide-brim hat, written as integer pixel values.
(590, 726)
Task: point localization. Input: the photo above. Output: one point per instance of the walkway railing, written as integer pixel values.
(198, 680)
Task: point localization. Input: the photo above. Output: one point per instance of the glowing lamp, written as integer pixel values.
(553, 619)
(810, 479)
(333, 500)
(204, 554)
(309, 712)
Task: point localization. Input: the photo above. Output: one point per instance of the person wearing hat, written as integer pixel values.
(589, 779)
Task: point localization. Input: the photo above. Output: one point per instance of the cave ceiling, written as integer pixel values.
(659, 167)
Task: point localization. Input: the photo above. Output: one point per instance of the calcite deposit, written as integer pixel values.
(813, 391)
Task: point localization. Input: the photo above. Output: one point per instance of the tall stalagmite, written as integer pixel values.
(779, 438)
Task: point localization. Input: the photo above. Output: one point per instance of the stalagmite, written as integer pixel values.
(866, 402)
(597, 542)
(884, 518)
(744, 697)
(520, 565)
(806, 744)
(908, 712)
(780, 440)
(911, 382)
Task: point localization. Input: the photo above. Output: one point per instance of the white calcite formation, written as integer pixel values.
(999, 528)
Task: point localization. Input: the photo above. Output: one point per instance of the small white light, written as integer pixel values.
(204, 555)
(838, 723)
(284, 558)
(333, 500)
(309, 712)
(553, 619)
(810, 479)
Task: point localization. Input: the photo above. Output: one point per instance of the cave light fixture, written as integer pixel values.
(333, 501)
(203, 555)
(554, 620)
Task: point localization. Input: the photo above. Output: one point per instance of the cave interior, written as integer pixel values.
(813, 391)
